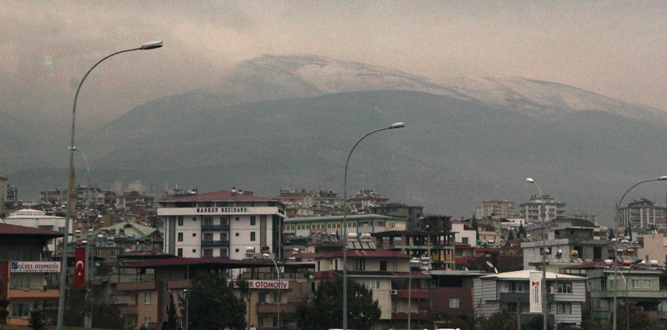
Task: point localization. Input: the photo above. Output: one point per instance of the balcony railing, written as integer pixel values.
(215, 243)
(214, 227)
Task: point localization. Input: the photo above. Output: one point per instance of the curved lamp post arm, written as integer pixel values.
(662, 178)
(347, 162)
(68, 212)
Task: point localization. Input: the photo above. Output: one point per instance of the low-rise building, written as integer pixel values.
(333, 225)
(519, 292)
(26, 272)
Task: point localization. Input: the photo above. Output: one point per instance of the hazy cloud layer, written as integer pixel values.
(615, 48)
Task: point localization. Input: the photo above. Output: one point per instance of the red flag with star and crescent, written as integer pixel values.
(79, 267)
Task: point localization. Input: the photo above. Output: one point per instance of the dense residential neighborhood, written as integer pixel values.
(142, 255)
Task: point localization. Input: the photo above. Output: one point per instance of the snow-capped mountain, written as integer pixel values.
(278, 77)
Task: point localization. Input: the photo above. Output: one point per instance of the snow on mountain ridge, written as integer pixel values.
(311, 75)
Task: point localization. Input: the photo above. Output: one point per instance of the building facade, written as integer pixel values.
(333, 225)
(540, 208)
(495, 208)
(641, 213)
(513, 292)
(224, 224)
(39, 219)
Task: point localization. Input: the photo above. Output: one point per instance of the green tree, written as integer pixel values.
(107, 317)
(639, 320)
(172, 322)
(522, 231)
(212, 304)
(324, 310)
(37, 317)
(611, 234)
(501, 320)
(510, 235)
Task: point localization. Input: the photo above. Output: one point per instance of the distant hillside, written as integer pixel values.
(289, 122)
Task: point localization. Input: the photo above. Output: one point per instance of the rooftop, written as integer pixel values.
(218, 196)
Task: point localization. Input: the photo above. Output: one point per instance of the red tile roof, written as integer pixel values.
(378, 253)
(7, 229)
(218, 196)
(179, 261)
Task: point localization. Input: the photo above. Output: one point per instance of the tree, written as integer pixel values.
(324, 310)
(638, 318)
(37, 317)
(522, 230)
(501, 320)
(611, 234)
(107, 317)
(212, 304)
(510, 236)
(172, 322)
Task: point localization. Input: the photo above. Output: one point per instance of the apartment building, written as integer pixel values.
(399, 290)
(495, 208)
(641, 213)
(540, 208)
(400, 210)
(223, 224)
(26, 272)
(519, 292)
(40, 219)
(333, 225)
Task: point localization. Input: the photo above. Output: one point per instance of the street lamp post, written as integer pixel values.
(88, 318)
(543, 285)
(393, 126)
(266, 255)
(662, 178)
(70, 191)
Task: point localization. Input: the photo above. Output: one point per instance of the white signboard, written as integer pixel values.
(261, 284)
(535, 292)
(35, 267)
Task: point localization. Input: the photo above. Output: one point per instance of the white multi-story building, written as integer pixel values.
(541, 208)
(39, 219)
(495, 208)
(641, 213)
(225, 224)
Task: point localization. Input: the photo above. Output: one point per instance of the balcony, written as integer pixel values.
(16, 294)
(214, 227)
(414, 294)
(511, 297)
(417, 316)
(215, 243)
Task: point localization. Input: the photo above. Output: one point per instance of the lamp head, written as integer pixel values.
(530, 180)
(151, 45)
(662, 178)
(266, 255)
(397, 125)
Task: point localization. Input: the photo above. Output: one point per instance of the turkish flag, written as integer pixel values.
(79, 267)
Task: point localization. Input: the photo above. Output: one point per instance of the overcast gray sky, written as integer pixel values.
(615, 48)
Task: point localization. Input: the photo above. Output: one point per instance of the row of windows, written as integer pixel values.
(210, 236)
(224, 252)
(338, 225)
(210, 221)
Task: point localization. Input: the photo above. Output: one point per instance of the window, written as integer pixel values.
(180, 252)
(20, 310)
(260, 321)
(194, 234)
(207, 221)
(603, 284)
(20, 282)
(147, 321)
(224, 252)
(98, 253)
(224, 236)
(208, 253)
(262, 297)
(252, 236)
(114, 253)
(252, 220)
(208, 236)
(565, 287)
(194, 250)
(359, 264)
(148, 298)
(237, 234)
(648, 284)
(453, 302)
(180, 221)
(194, 218)
(383, 265)
(399, 305)
(373, 285)
(635, 283)
(564, 308)
(224, 221)
(180, 237)
(275, 321)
